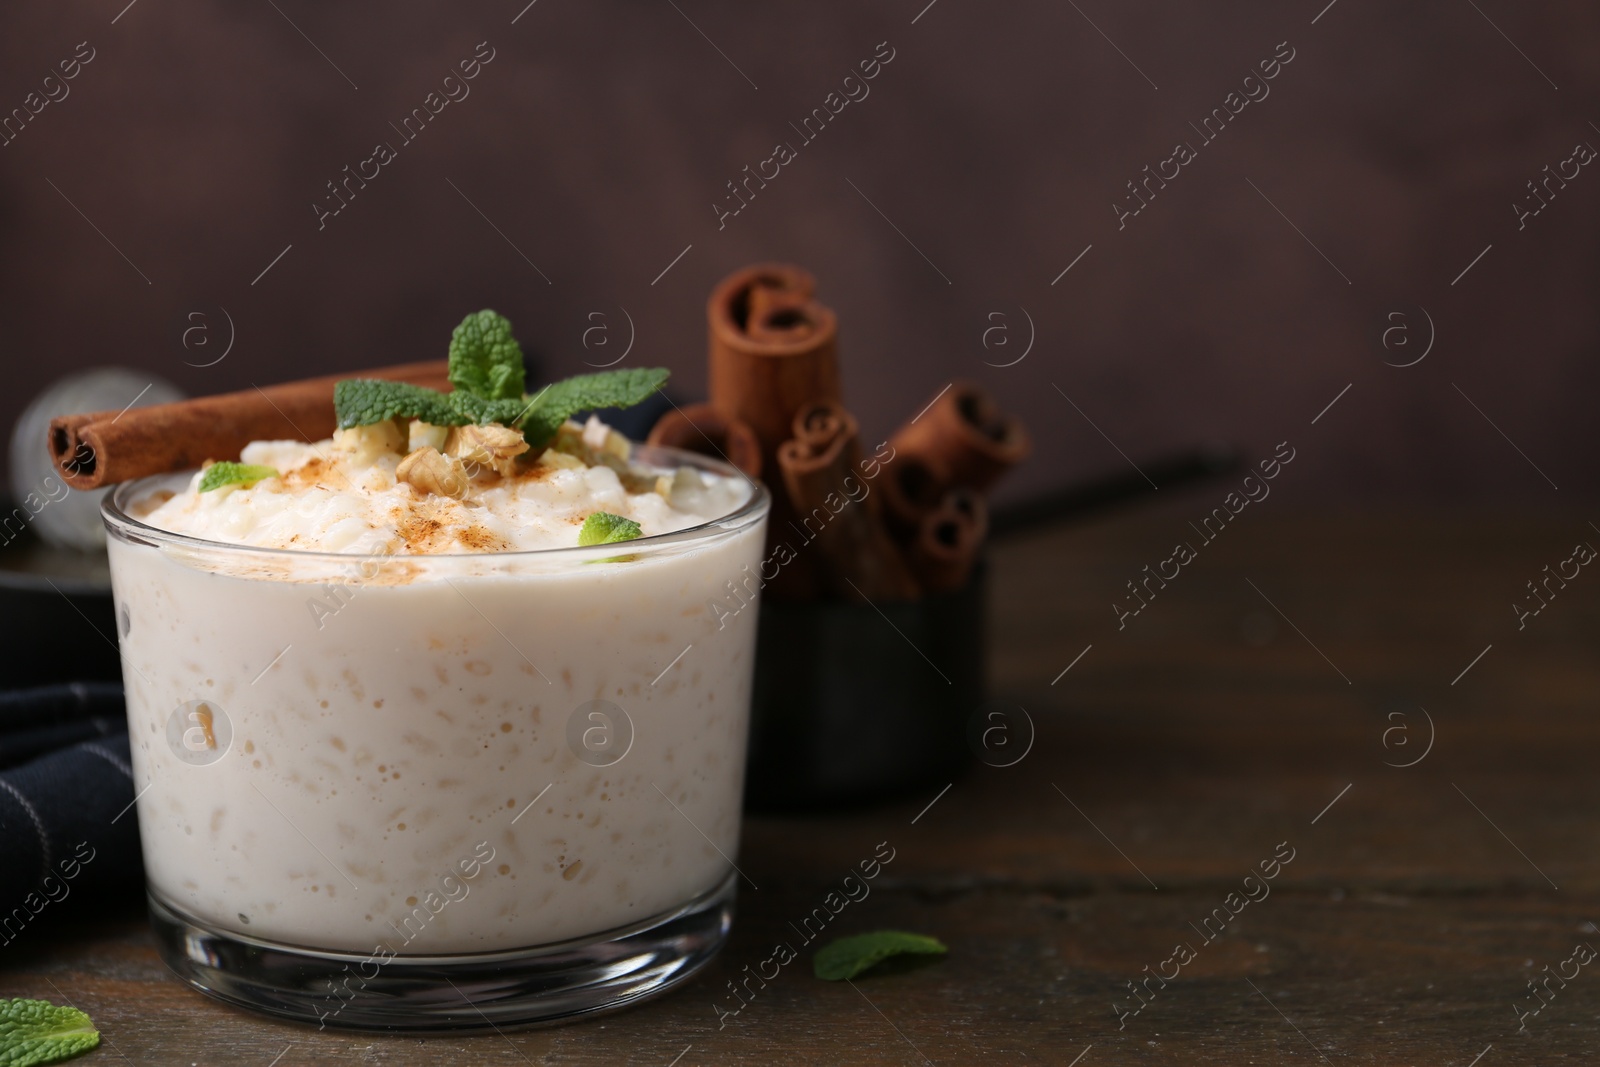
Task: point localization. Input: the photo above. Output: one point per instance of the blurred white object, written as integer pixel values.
(69, 518)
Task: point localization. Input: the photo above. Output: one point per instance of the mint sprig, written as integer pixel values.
(484, 358)
(35, 1032)
(552, 406)
(226, 472)
(604, 528)
(486, 370)
(364, 401)
(478, 409)
(849, 956)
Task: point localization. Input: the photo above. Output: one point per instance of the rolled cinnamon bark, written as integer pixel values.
(104, 447)
(911, 492)
(778, 317)
(817, 424)
(963, 439)
(837, 510)
(773, 348)
(702, 428)
(949, 540)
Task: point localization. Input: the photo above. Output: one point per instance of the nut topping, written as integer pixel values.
(431, 471)
(491, 446)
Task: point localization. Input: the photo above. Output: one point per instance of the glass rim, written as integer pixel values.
(121, 525)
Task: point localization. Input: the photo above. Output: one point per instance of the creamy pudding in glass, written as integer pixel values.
(387, 734)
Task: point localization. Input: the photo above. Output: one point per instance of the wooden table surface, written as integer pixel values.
(1249, 710)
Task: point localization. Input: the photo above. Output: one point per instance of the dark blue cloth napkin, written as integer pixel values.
(68, 829)
(36, 721)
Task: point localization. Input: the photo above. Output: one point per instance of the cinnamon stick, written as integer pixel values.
(773, 348)
(963, 439)
(780, 317)
(819, 423)
(949, 540)
(836, 508)
(104, 447)
(911, 492)
(703, 429)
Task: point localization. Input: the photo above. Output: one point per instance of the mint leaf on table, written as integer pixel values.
(36, 1031)
(553, 404)
(364, 401)
(604, 528)
(224, 473)
(484, 358)
(849, 956)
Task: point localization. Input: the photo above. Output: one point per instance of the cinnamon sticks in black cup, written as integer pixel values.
(892, 523)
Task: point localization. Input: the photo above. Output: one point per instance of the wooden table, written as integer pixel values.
(1255, 701)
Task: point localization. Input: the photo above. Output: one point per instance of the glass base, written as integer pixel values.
(502, 990)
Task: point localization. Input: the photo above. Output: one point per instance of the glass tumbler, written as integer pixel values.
(438, 792)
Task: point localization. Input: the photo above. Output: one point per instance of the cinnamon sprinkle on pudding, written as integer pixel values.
(367, 491)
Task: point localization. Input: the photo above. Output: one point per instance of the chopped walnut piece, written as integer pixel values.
(431, 471)
(491, 446)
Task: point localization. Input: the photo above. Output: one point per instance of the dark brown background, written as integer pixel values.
(997, 139)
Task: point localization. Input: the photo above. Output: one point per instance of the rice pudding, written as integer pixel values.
(449, 728)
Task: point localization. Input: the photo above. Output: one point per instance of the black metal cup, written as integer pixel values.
(856, 703)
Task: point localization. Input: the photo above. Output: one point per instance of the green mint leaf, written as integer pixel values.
(364, 401)
(484, 358)
(36, 1031)
(604, 528)
(481, 410)
(552, 405)
(849, 956)
(224, 473)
